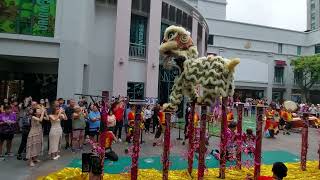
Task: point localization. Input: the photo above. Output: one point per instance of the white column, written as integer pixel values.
(195, 21)
(203, 47)
(152, 70)
(121, 52)
(73, 34)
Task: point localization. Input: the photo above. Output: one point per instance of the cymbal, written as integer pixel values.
(290, 106)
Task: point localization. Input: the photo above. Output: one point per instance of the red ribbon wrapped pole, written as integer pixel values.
(166, 147)
(202, 146)
(239, 136)
(319, 156)
(191, 138)
(257, 153)
(304, 142)
(223, 140)
(136, 145)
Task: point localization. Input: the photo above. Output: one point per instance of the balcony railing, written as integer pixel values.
(279, 81)
(137, 51)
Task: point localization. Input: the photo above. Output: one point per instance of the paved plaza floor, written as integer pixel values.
(12, 169)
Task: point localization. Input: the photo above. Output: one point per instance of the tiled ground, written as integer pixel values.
(12, 169)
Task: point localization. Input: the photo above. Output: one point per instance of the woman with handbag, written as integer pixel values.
(8, 127)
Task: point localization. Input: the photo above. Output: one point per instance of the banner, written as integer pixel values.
(29, 17)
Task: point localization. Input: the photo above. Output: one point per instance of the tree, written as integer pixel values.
(307, 73)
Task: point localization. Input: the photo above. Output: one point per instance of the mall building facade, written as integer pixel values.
(58, 48)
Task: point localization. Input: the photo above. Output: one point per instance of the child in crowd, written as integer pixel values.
(109, 153)
(111, 121)
(160, 128)
(131, 118)
(249, 141)
(231, 142)
(78, 127)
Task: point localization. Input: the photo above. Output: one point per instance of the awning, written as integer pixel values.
(280, 63)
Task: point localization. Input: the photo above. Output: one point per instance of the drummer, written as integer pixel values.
(271, 125)
(287, 117)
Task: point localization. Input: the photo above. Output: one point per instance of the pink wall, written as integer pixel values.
(122, 42)
(152, 67)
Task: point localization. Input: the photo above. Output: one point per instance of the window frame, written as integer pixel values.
(134, 90)
(280, 48)
(211, 39)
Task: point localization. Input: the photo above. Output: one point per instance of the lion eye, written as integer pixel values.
(170, 35)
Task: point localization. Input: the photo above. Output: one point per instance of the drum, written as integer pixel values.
(290, 106)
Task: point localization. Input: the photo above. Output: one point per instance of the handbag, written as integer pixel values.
(9, 128)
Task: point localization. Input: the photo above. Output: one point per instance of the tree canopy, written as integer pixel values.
(307, 72)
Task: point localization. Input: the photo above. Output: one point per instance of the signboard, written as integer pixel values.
(30, 17)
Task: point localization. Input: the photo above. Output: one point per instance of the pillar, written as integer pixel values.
(121, 50)
(152, 70)
(195, 21)
(73, 30)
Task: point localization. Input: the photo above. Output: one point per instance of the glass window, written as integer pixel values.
(135, 4)
(297, 77)
(313, 6)
(138, 36)
(299, 50)
(278, 74)
(317, 49)
(184, 20)
(163, 28)
(145, 6)
(138, 29)
(189, 26)
(280, 48)
(179, 17)
(164, 13)
(211, 39)
(172, 13)
(135, 90)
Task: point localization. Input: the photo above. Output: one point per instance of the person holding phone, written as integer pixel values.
(35, 137)
(55, 133)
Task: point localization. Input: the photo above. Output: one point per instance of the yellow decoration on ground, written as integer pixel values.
(294, 173)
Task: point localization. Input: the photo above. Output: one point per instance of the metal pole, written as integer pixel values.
(191, 138)
(136, 145)
(239, 137)
(166, 147)
(304, 142)
(257, 154)
(202, 146)
(223, 140)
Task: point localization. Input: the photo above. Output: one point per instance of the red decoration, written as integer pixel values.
(166, 147)
(202, 147)
(257, 153)
(239, 137)
(223, 139)
(136, 147)
(191, 138)
(304, 142)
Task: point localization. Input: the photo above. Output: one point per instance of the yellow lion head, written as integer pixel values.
(177, 45)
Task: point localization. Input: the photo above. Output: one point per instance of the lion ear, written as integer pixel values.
(233, 63)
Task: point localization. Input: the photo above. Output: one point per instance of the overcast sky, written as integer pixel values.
(288, 14)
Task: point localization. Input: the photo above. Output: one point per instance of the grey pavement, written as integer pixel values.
(13, 169)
